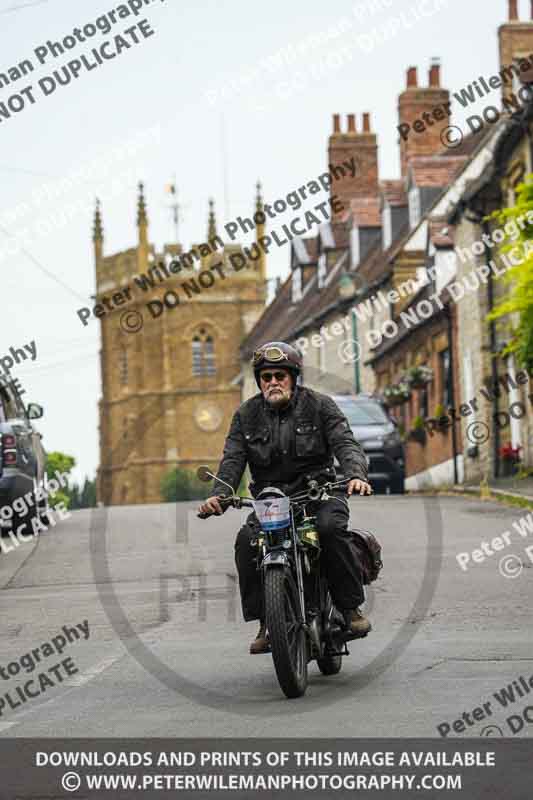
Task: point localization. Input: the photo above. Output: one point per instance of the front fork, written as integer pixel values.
(299, 574)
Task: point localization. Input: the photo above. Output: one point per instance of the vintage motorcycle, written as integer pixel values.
(302, 621)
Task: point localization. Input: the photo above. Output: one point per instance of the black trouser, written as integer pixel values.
(339, 560)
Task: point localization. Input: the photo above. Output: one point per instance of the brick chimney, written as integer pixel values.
(361, 146)
(412, 103)
(516, 42)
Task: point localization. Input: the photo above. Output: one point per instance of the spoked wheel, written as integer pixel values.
(287, 637)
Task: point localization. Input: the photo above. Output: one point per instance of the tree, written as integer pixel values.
(72, 496)
(519, 301)
(59, 462)
(88, 494)
(181, 484)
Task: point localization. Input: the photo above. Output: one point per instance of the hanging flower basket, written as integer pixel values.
(397, 394)
(418, 431)
(417, 435)
(440, 420)
(418, 377)
(510, 457)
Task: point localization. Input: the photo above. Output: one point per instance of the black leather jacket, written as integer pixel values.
(286, 447)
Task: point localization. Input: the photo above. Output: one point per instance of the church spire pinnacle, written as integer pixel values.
(259, 199)
(260, 227)
(142, 218)
(212, 221)
(98, 232)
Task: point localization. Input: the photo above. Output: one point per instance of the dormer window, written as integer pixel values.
(414, 207)
(296, 284)
(354, 247)
(386, 226)
(322, 270)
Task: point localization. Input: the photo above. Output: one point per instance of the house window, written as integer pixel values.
(123, 367)
(414, 207)
(386, 224)
(296, 284)
(354, 247)
(444, 361)
(322, 270)
(203, 354)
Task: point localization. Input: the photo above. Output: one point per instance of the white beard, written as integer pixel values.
(278, 398)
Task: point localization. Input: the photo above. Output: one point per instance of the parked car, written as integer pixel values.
(22, 456)
(378, 434)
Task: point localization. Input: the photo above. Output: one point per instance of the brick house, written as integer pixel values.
(393, 251)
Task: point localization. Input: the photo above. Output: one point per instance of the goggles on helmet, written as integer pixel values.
(273, 354)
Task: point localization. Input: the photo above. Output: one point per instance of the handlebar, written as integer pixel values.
(226, 502)
(314, 492)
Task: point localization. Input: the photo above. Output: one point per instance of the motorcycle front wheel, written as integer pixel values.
(288, 639)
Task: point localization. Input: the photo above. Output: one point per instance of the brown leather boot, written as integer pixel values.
(358, 625)
(261, 643)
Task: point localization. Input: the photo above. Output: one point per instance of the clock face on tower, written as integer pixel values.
(208, 416)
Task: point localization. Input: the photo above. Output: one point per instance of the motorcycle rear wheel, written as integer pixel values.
(288, 639)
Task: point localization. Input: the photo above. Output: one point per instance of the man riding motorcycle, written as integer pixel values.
(288, 435)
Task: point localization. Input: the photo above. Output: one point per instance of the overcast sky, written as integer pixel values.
(221, 95)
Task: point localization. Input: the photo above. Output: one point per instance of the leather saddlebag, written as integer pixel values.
(369, 554)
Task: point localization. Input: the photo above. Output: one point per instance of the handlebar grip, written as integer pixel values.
(225, 502)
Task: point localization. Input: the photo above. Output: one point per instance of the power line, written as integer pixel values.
(46, 271)
(26, 5)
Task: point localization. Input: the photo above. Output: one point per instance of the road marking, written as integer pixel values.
(92, 672)
(74, 683)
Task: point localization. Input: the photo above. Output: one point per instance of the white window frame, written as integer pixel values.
(415, 209)
(297, 284)
(355, 249)
(386, 224)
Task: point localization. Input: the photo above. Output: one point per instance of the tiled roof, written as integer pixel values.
(468, 144)
(341, 234)
(394, 192)
(282, 319)
(272, 323)
(425, 292)
(434, 171)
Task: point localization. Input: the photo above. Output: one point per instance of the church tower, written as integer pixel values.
(170, 338)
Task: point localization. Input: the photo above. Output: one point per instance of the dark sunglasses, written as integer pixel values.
(279, 376)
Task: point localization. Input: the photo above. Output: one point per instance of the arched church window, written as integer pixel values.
(209, 356)
(196, 356)
(203, 354)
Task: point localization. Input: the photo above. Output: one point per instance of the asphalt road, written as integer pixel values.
(167, 651)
